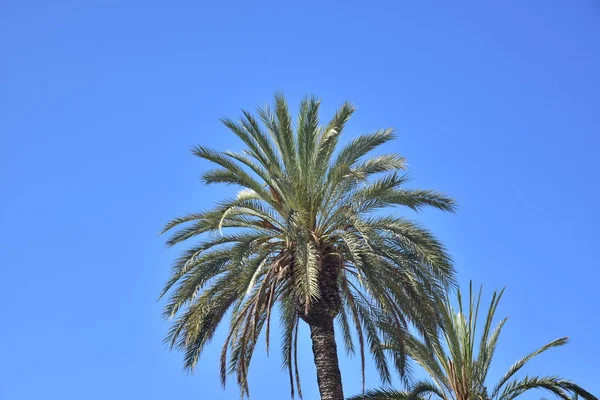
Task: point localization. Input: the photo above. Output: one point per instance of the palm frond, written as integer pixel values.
(382, 394)
(457, 371)
(329, 137)
(559, 387)
(519, 364)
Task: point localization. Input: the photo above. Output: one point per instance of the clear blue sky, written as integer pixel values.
(495, 103)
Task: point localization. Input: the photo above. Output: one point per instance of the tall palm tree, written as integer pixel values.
(303, 233)
(458, 372)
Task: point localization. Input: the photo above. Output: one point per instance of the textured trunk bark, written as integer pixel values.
(324, 348)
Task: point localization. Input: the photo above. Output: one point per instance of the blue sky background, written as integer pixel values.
(495, 103)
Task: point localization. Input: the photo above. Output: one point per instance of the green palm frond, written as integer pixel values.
(382, 394)
(421, 390)
(519, 364)
(457, 362)
(559, 387)
(306, 236)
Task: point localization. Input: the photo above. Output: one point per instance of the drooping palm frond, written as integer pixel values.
(561, 388)
(305, 232)
(420, 390)
(382, 394)
(457, 362)
(519, 364)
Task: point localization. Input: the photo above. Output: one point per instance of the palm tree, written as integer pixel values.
(458, 372)
(303, 233)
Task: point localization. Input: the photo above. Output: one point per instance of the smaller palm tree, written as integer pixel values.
(458, 371)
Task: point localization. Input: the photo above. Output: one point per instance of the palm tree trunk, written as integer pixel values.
(324, 349)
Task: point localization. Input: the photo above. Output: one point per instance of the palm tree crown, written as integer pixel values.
(458, 366)
(305, 232)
